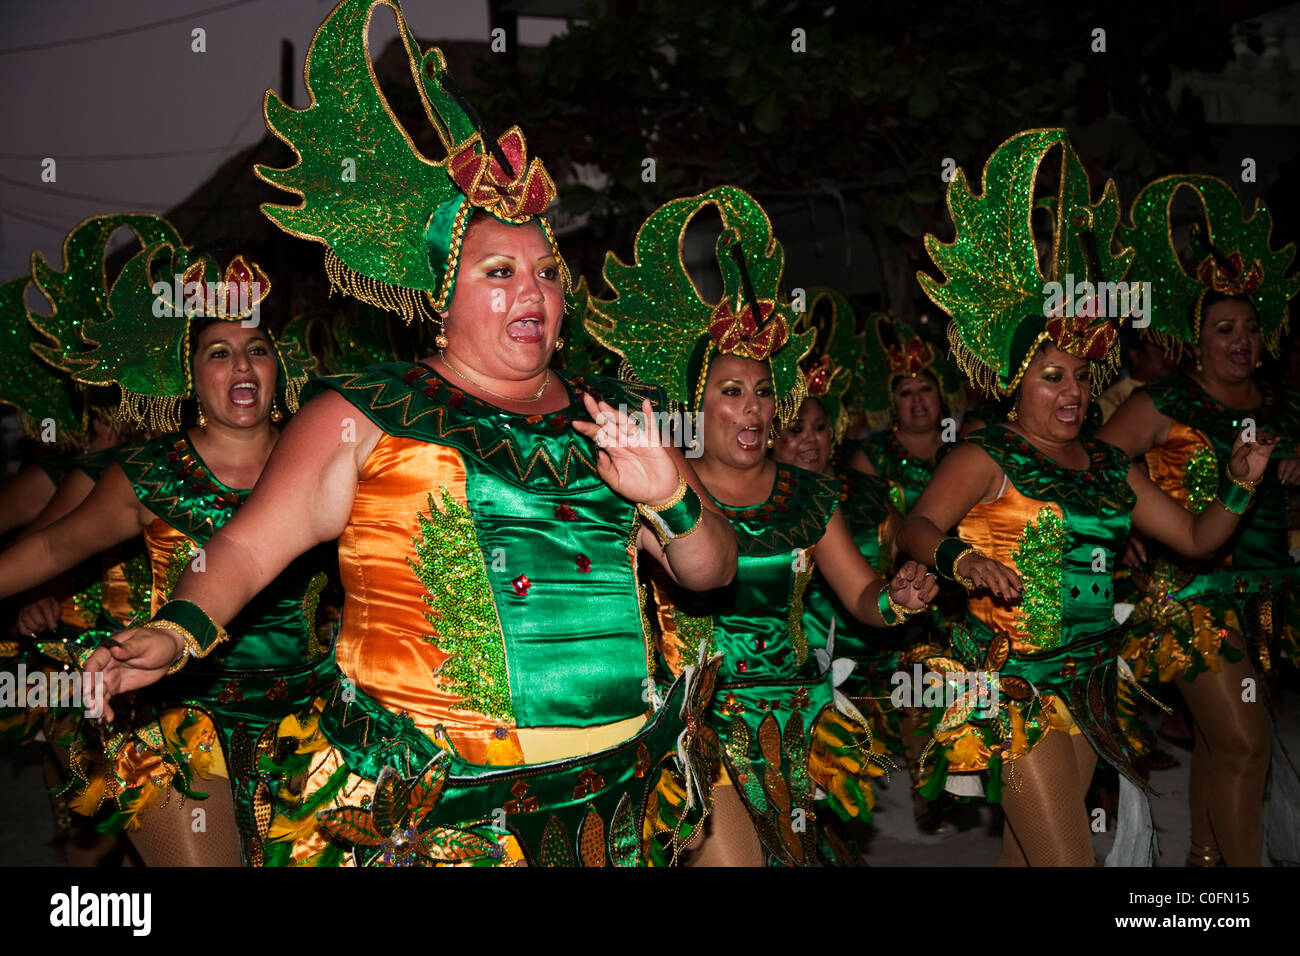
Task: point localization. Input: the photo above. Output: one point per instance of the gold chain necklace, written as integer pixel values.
(509, 398)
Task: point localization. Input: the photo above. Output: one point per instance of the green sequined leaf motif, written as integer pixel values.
(176, 565)
(693, 631)
(1039, 562)
(1201, 479)
(449, 563)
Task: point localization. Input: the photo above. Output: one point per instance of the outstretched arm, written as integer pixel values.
(110, 515)
(303, 497)
(858, 586)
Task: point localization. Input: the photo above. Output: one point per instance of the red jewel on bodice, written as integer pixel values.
(521, 585)
(584, 563)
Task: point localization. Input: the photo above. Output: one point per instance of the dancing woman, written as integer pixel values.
(492, 700)
(1210, 625)
(732, 367)
(217, 719)
(1040, 513)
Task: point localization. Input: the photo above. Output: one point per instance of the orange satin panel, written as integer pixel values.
(161, 541)
(117, 592)
(995, 529)
(1167, 463)
(382, 645)
(73, 616)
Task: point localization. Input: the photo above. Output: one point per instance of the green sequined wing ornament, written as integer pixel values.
(1225, 253)
(830, 369)
(40, 393)
(1001, 303)
(665, 329)
(392, 220)
(76, 296)
(584, 355)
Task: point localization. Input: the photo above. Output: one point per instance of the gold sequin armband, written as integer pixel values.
(683, 510)
(198, 631)
(1236, 496)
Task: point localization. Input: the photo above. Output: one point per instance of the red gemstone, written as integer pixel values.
(565, 513)
(742, 666)
(412, 374)
(521, 585)
(584, 563)
(457, 399)
(559, 421)
(760, 644)
(431, 390)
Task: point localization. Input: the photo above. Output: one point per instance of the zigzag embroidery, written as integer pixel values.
(173, 512)
(402, 404)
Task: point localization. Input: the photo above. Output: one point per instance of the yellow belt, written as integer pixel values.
(546, 744)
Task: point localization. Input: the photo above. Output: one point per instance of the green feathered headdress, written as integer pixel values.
(392, 220)
(584, 355)
(345, 343)
(38, 391)
(665, 330)
(894, 351)
(830, 369)
(1002, 304)
(1227, 253)
(135, 332)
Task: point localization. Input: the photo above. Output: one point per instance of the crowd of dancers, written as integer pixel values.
(500, 607)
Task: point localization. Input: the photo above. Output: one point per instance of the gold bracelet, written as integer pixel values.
(189, 644)
(1249, 486)
(677, 496)
(902, 612)
(961, 579)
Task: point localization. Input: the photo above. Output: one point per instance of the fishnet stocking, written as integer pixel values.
(167, 837)
(1043, 798)
(729, 835)
(1229, 762)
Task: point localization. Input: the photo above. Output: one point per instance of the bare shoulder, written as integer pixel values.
(329, 426)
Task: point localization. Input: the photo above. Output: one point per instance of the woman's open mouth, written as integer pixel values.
(244, 394)
(527, 329)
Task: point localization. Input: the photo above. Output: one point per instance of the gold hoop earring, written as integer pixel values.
(202, 420)
(275, 412)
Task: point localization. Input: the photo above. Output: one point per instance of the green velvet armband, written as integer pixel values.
(946, 554)
(200, 633)
(677, 517)
(1235, 495)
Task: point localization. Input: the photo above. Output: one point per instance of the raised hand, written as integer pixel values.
(130, 660)
(631, 460)
(1249, 459)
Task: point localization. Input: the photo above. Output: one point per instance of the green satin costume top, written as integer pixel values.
(547, 629)
(1260, 541)
(268, 667)
(894, 462)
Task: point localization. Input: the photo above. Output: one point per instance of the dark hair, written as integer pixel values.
(1213, 298)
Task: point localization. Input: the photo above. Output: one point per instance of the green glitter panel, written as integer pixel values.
(1038, 560)
(693, 631)
(449, 563)
(1201, 479)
